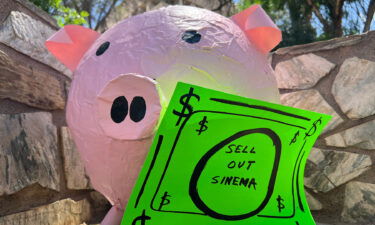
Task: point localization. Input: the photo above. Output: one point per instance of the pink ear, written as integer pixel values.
(70, 43)
(258, 27)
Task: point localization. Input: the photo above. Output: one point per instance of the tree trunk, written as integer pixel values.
(370, 15)
(337, 18)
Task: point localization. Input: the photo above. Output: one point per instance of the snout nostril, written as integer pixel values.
(137, 109)
(119, 109)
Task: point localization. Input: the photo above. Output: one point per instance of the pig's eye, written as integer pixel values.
(119, 109)
(191, 36)
(137, 109)
(102, 48)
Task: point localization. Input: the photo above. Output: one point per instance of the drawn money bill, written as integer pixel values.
(221, 159)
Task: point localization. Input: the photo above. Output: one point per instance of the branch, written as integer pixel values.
(102, 20)
(370, 16)
(338, 7)
(318, 14)
(363, 8)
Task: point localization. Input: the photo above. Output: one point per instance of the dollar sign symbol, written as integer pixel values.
(294, 140)
(203, 125)
(280, 205)
(141, 218)
(184, 100)
(164, 200)
(313, 128)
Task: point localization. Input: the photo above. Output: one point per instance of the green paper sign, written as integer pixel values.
(220, 159)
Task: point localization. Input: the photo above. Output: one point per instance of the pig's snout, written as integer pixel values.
(128, 107)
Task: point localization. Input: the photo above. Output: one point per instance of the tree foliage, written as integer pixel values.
(305, 21)
(301, 21)
(98, 10)
(64, 15)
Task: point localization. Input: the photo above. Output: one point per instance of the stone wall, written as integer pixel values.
(336, 77)
(42, 180)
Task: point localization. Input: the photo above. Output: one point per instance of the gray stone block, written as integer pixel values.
(333, 168)
(361, 136)
(354, 88)
(302, 72)
(28, 152)
(314, 203)
(74, 170)
(62, 212)
(25, 84)
(359, 203)
(27, 35)
(313, 101)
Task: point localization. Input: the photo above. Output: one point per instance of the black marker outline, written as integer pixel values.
(167, 165)
(225, 101)
(193, 186)
(166, 168)
(256, 117)
(180, 212)
(298, 182)
(143, 218)
(157, 149)
(176, 141)
(293, 184)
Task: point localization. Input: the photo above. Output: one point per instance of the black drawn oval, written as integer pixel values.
(102, 48)
(119, 109)
(191, 36)
(137, 109)
(193, 190)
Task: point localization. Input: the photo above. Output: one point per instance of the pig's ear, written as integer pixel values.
(258, 28)
(70, 43)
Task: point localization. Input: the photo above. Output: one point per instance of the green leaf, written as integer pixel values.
(84, 14)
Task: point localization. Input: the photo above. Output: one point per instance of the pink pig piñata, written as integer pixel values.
(123, 77)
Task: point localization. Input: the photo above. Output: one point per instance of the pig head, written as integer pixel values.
(124, 76)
